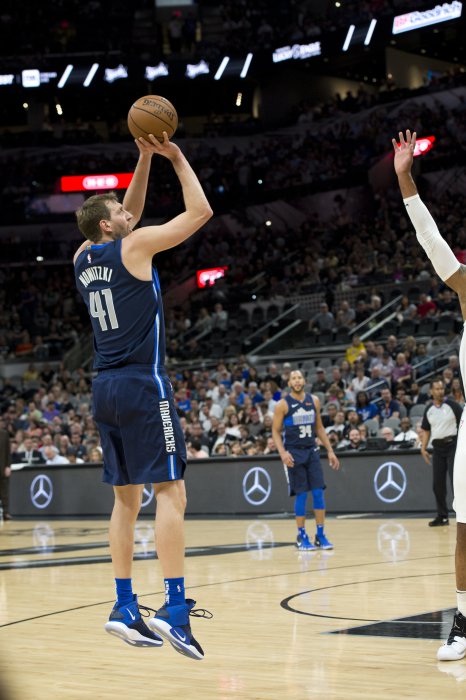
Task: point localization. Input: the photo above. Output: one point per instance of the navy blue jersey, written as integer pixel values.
(126, 313)
(299, 423)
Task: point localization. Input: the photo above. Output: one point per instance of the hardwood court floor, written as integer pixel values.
(275, 611)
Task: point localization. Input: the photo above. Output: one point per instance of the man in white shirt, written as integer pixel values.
(53, 458)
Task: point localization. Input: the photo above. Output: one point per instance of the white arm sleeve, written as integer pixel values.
(428, 235)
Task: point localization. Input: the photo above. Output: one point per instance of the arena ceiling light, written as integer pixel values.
(221, 68)
(195, 69)
(90, 75)
(247, 63)
(65, 76)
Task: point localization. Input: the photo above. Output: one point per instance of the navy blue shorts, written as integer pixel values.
(142, 440)
(307, 472)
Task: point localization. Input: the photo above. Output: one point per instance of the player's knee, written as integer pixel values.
(318, 499)
(300, 504)
(174, 492)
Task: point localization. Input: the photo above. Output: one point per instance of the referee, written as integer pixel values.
(440, 422)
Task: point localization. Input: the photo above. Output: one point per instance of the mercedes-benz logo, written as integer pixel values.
(257, 486)
(41, 491)
(390, 482)
(147, 495)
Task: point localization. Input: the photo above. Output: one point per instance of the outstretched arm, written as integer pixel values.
(135, 196)
(439, 252)
(150, 240)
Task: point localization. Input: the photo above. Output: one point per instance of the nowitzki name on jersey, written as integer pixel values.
(95, 273)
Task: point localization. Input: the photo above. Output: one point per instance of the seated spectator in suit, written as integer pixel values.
(28, 455)
(407, 435)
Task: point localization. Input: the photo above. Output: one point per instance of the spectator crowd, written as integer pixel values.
(377, 390)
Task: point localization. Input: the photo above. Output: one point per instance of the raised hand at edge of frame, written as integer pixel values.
(404, 153)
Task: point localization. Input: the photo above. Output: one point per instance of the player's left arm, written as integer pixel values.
(323, 437)
(135, 196)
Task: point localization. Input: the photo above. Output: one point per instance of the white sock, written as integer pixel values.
(461, 602)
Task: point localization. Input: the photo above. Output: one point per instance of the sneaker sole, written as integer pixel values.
(325, 546)
(131, 637)
(164, 629)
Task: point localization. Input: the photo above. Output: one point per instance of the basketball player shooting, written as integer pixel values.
(454, 275)
(133, 403)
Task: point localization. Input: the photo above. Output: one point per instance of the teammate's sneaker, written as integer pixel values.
(172, 623)
(455, 646)
(439, 522)
(322, 542)
(304, 543)
(125, 622)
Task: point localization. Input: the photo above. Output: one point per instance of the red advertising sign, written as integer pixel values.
(86, 183)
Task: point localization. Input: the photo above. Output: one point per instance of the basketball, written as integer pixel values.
(152, 114)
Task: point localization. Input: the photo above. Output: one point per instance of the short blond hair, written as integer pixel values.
(92, 212)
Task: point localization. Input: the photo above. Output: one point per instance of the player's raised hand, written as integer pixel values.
(404, 152)
(166, 148)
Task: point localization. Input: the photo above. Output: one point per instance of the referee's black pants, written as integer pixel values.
(443, 458)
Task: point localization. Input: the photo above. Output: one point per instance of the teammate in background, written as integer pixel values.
(297, 416)
(133, 402)
(454, 275)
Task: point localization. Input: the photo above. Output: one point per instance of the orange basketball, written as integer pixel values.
(152, 114)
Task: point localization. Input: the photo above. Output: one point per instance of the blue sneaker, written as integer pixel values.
(303, 542)
(126, 623)
(322, 542)
(172, 623)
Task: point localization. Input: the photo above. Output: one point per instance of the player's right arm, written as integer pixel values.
(149, 240)
(439, 252)
(280, 411)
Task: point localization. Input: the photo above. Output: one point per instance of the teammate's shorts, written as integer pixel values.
(141, 436)
(459, 472)
(307, 472)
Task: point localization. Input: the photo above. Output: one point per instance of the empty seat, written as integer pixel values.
(445, 324)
